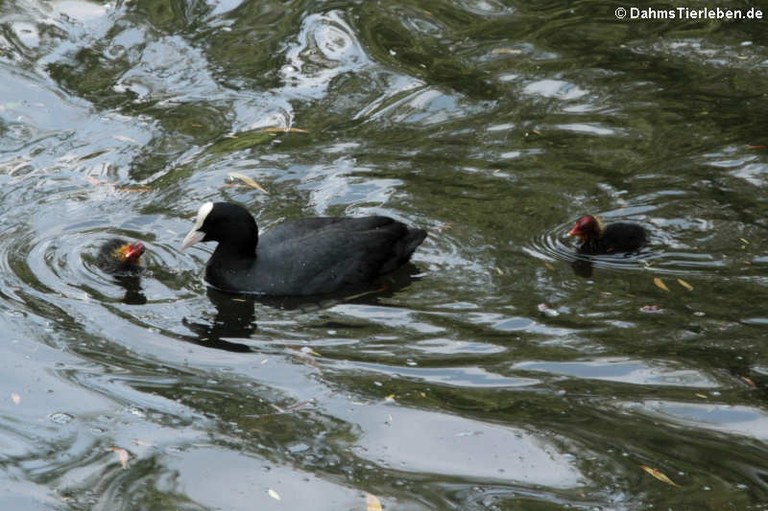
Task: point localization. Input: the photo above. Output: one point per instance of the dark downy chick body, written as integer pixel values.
(597, 239)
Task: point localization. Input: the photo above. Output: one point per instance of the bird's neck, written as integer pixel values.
(233, 253)
(238, 242)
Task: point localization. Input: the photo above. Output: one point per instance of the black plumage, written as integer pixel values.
(311, 256)
(619, 237)
(120, 257)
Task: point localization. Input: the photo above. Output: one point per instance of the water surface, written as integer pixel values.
(500, 378)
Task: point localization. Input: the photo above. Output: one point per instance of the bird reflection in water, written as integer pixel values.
(582, 267)
(235, 316)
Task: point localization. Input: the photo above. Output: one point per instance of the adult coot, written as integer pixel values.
(311, 256)
(597, 238)
(120, 257)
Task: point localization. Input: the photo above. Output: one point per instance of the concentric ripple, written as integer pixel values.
(662, 255)
(65, 264)
(52, 266)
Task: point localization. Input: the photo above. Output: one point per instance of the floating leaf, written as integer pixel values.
(122, 456)
(660, 284)
(277, 129)
(372, 502)
(661, 476)
(749, 381)
(685, 284)
(757, 147)
(390, 398)
(702, 396)
(15, 398)
(249, 181)
(272, 493)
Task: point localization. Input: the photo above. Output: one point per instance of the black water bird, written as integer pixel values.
(310, 256)
(597, 238)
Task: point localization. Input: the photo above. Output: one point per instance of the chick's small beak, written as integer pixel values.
(131, 252)
(577, 233)
(193, 237)
(136, 250)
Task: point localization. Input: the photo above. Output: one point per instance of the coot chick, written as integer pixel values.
(311, 256)
(120, 257)
(597, 238)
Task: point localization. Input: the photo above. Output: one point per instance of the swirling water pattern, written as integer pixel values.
(496, 377)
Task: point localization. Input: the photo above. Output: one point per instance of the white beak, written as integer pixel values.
(193, 237)
(196, 235)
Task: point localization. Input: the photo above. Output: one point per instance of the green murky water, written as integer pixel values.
(500, 378)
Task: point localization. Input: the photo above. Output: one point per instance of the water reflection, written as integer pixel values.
(133, 291)
(583, 262)
(495, 123)
(235, 315)
(235, 318)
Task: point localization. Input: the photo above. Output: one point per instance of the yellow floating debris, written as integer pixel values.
(372, 502)
(660, 284)
(246, 180)
(661, 476)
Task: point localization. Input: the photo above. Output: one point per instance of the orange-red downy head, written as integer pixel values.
(586, 228)
(130, 252)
